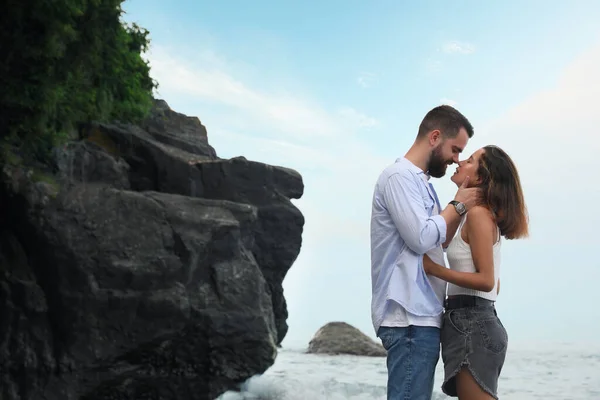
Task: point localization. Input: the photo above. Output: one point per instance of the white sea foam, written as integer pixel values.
(558, 373)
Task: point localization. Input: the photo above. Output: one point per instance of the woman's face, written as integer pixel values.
(468, 168)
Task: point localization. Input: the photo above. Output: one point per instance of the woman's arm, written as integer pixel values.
(480, 229)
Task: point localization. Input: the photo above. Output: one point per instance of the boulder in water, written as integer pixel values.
(341, 338)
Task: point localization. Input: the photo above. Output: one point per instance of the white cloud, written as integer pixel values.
(554, 133)
(455, 47)
(280, 112)
(433, 66)
(357, 118)
(366, 79)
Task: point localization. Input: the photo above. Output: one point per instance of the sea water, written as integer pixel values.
(552, 373)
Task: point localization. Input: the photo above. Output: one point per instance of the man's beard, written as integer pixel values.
(437, 165)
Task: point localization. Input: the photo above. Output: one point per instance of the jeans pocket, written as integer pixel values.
(493, 334)
(386, 335)
(456, 321)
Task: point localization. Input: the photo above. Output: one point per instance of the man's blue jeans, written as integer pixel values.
(413, 353)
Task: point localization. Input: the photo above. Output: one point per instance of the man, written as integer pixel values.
(406, 222)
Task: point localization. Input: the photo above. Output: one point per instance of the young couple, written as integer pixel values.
(418, 304)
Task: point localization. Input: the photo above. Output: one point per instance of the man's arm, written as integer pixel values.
(452, 226)
(451, 231)
(405, 205)
(404, 202)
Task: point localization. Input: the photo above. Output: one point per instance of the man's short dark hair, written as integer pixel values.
(447, 120)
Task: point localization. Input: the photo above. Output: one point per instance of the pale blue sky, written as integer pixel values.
(336, 90)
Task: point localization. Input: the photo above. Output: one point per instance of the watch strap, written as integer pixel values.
(457, 206)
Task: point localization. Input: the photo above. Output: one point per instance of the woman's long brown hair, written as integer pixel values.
(502, 192)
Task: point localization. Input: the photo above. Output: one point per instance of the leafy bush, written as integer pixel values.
(65, 62)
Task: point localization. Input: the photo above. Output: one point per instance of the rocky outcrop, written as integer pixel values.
(143, 266)
(341, 338)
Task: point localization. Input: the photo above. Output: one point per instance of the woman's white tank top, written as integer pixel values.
(460, 259)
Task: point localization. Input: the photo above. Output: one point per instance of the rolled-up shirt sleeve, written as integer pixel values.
(405, 204)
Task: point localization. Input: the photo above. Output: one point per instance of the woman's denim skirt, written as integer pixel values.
(474, 338)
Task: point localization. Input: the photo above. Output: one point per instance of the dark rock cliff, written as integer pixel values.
(143, 266)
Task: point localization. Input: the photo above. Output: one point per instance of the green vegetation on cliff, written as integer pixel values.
(65, 62)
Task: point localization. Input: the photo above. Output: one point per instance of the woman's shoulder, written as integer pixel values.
(481, 223)
(480, 215)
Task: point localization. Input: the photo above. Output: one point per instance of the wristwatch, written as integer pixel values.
(459, 207)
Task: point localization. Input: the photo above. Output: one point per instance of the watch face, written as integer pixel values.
(460, 208)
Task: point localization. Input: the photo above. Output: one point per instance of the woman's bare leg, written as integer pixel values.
(468, 389)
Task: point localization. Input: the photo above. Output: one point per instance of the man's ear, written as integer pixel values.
(434, 137)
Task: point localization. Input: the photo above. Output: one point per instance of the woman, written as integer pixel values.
(473, 339)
